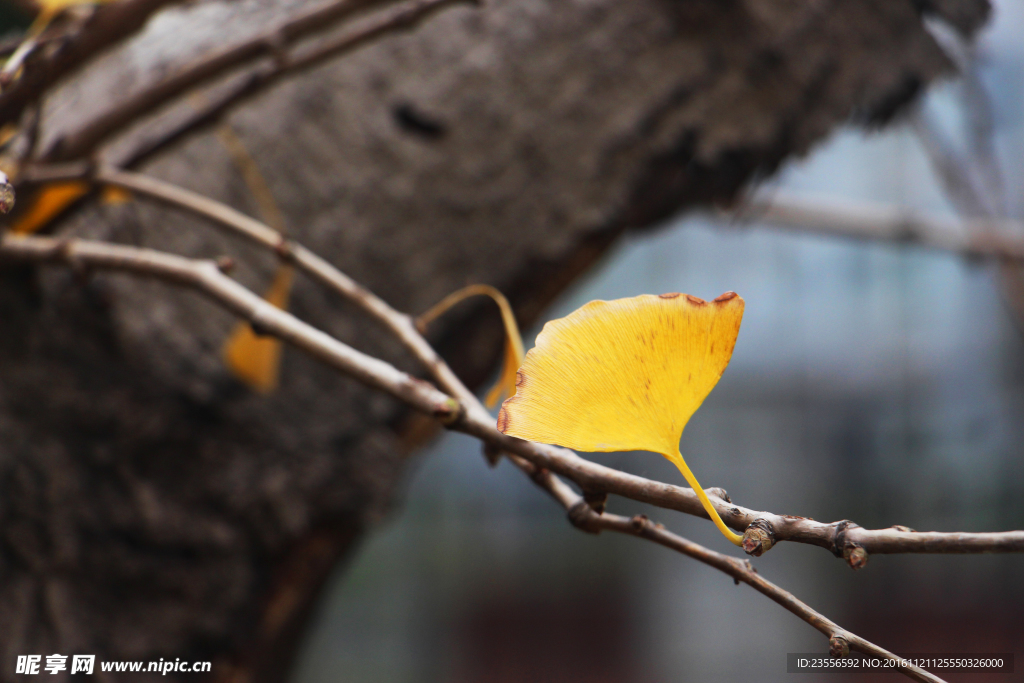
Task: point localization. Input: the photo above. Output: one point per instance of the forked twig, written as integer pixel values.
(108, 25)
(764, 529)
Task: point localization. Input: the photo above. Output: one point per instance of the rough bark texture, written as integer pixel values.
(152, 507)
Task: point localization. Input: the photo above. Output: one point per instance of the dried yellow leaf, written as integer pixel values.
(256, 360)
(47, 205)
(513, 358)
(254, 180)
(625, 375)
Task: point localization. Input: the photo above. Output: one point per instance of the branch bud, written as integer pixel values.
(450, 412)
(838, 646)
(719, 492)
(855, 556)
(6, 194)
(758, 538)
(225, 264)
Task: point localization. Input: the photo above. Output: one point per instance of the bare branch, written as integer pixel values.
(842, 538)
(583, 517)
(953, 171)
(963, 191)
(270, 43)
(763, 529)
(978, 124)
(205, 277)
(108, 25)
(276, 42)
(974, 238)
(399, 324)
(841, 641)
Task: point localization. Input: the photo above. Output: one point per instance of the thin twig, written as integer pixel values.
(978, 122)
(108, 25)
(840, 537)
(205, 277)
(843, 538)
(974, 238)
(961, 188)
(952, 171)
(17, 59)
(9, 44)
(399, 324)
(841, 641)
(582, 516)
(271, 43)
(81, 143)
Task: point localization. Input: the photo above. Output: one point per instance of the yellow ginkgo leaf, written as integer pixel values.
(47, 205)
(253, 359)
(506, 384)
(625, 375)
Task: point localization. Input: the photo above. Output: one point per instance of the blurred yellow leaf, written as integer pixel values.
(114, 195)
(513, 358)
(625, 375)
(253, 178)
(254, 359)
(47, 204)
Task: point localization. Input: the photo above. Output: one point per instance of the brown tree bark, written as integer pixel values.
(150, 506)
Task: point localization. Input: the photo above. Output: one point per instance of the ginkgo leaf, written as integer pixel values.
(625, 375)
(47, 205)
(506, 383)
(513, 357)
(254, 359)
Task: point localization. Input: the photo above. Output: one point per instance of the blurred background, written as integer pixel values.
(876, 382)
